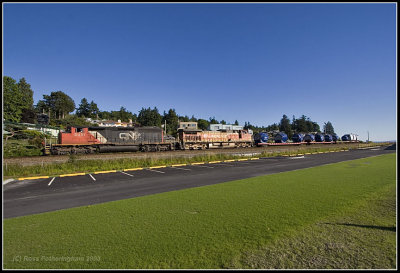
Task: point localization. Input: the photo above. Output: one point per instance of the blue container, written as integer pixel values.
(319, 138)
(309, 138)
(297, 137)
(335, 137)
(281, 137)
(346, 138)
(328, 138)
(260, 138)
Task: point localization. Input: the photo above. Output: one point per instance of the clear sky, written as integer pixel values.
(246, 62)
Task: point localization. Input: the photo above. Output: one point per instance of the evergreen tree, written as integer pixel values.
(213, 120)
(202, 124)
(149, 117)
(328, 128)
(285, 126)
(84, 109)
(13, 103)
(172, 121)
(94, 110)
(58, 104)
(27, 94)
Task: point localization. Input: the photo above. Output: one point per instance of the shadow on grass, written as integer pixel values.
(364, 226)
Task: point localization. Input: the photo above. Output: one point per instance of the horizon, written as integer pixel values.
(247, 62)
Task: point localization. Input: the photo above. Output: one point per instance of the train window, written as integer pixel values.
(79, 130)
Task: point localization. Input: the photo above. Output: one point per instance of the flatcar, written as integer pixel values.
(261, 138)
(280, 137)
(297, 137)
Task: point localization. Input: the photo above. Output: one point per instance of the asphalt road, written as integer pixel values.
(27, 197)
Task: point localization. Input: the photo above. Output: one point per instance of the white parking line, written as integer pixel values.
(181, 168)
(94, 179)
(155, 171)
(127, 174)
(243, 162)
(51, 181)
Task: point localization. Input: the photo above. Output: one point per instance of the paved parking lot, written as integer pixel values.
(24, 197)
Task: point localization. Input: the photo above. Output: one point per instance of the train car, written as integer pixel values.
(280, 137)
(328, 138)
(350, 137)
(309, 138)
(297, 137)
(198, 140)
(261, 138)
(111, 139)
(319, 138)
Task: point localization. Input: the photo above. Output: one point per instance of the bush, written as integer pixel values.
(28, 134)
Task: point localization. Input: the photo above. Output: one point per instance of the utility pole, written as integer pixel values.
(368, 136)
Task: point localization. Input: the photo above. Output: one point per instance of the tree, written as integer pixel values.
(13, 101)
(17, 100)
(236, 122)
(58, 104)
(148, 117)
(84, 109)
(184, 118)
(285, 126)
(94, 110)
(202, 124)
(328, 128)
(27, 94)
(172, 120)
(300, 125)
(213, 120)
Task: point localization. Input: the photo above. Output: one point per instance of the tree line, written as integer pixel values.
(18, 107)
(300, 125)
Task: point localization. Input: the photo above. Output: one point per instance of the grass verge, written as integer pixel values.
(364, 237)
(206, 227)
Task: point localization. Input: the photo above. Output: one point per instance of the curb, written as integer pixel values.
(8, 181)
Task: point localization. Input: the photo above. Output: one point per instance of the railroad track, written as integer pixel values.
(42, 160)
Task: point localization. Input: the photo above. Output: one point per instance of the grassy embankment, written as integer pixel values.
(75, 165)
(340, 215)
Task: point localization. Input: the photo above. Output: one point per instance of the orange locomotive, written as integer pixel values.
(197, 139)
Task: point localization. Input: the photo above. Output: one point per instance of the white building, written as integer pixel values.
(227, 127)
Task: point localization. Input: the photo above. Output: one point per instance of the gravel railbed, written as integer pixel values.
(42, 160)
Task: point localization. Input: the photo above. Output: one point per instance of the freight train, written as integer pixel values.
(86, 140)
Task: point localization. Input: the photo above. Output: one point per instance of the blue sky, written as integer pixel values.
(246, 62)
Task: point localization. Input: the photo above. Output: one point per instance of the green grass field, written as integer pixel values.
(340, 215)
